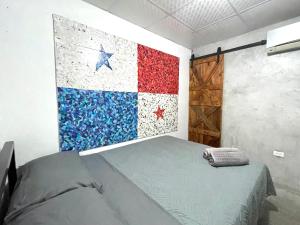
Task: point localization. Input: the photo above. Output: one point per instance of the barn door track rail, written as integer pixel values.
(220, 52)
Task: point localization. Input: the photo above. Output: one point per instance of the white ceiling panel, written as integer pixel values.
(271, 12)
(219, 31)
(104, 4)
(174, 30)
(140, 12)
(201, 13)
(243, 5)
(171, 5)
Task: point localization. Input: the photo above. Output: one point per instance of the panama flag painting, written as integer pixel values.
(111, 90)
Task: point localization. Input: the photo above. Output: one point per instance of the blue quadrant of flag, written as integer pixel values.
(90, 119)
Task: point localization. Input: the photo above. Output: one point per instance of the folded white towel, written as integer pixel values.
(207, 152)
(225, 158)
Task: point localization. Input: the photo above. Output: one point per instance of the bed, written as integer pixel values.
(163, 180)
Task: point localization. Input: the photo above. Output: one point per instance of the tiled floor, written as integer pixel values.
(283, 209)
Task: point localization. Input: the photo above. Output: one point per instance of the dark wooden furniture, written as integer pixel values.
(8, 176)
(205, 100)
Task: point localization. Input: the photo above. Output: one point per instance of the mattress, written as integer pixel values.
(173, 176)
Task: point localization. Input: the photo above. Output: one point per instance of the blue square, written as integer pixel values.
(90, 119)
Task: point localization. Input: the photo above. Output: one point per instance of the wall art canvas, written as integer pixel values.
(111, 90)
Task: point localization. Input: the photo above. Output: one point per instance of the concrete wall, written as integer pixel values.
(28, 107)
(261, 108)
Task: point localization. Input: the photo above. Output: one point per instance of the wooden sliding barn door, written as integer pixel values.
(205, 102)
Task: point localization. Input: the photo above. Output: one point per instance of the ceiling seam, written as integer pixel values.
(183, 23)
(254, 6)
(182, 6)
(173, 12)
(239, 15)
(215, 22)
(157, 6)
(161, 19)
(169, 15)
(191, 32)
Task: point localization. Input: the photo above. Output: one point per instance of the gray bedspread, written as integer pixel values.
(129, 203)
(172, 173)
(81, 206)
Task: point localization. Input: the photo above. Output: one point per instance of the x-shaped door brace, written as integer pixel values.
(199, 78)
(203, 117)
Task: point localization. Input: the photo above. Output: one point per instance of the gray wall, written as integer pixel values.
(261, 108)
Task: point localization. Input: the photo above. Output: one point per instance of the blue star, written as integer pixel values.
(103, 59)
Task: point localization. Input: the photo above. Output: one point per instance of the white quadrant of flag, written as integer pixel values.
(157, 114)
(78, 52)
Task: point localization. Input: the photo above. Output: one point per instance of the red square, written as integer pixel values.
(158, 72)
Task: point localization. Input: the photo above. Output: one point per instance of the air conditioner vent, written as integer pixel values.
(284, 39)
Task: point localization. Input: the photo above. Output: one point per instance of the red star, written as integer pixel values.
(159, 113)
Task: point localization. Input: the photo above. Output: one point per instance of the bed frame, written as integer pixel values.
(8, 176)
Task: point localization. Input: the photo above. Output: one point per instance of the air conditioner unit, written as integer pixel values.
(284, 39)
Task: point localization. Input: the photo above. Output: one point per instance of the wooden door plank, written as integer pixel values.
(206, 132)
(206, 97)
